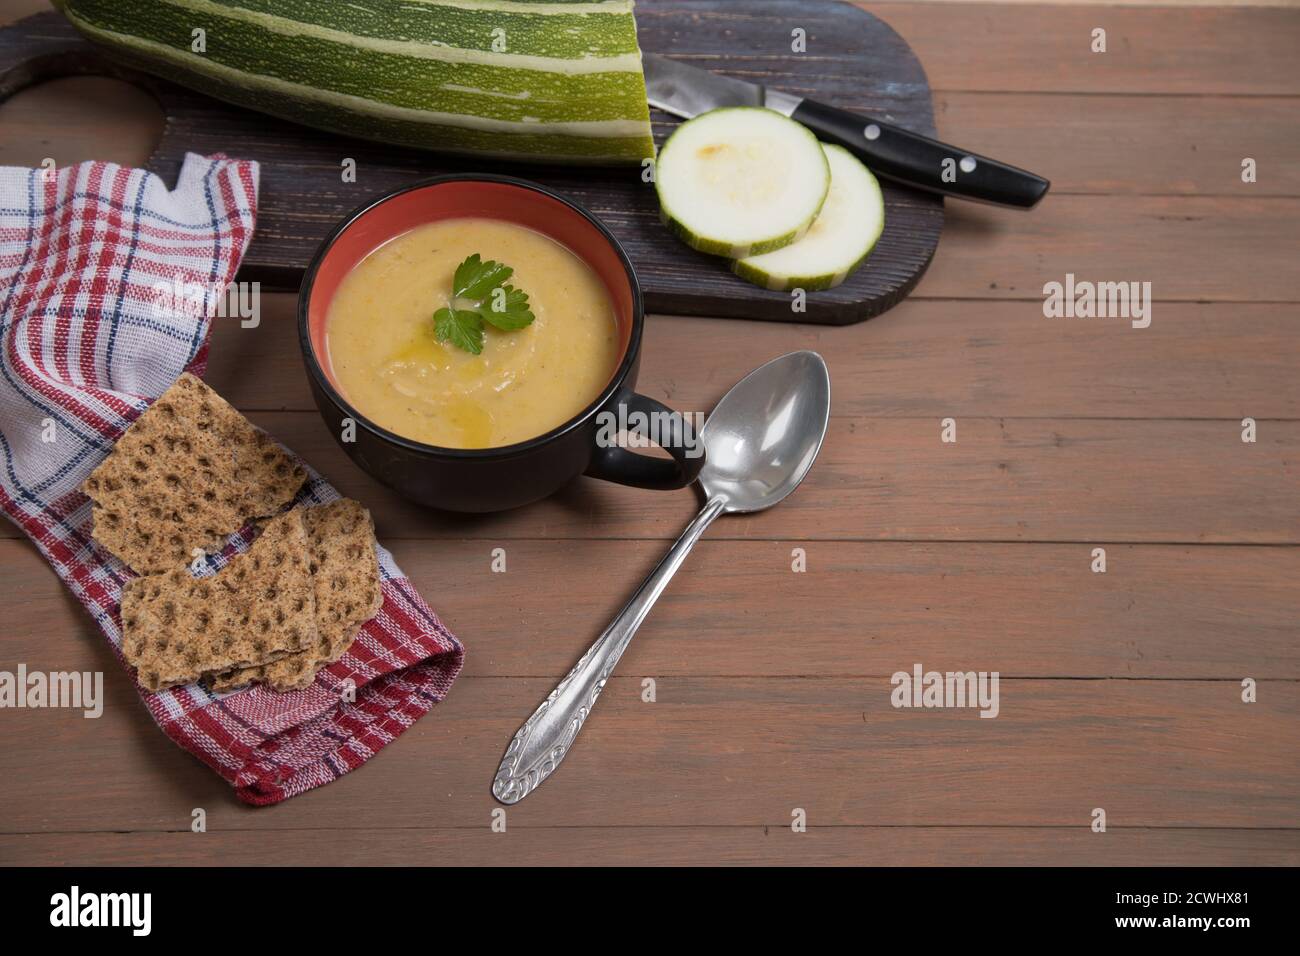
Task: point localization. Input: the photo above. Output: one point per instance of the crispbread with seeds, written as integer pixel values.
(258, 608)
(345, 579)
(188, 472)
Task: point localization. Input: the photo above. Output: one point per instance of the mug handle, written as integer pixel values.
(623, 467)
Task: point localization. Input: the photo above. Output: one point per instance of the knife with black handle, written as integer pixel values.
(890, 151)
(899, 154)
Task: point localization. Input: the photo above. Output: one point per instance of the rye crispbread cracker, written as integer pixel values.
(345, 579)
(188, 472)
(260, 607)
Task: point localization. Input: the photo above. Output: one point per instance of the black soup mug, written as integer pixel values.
(494, 479)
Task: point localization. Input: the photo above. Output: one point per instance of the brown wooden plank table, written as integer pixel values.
(1120, 691)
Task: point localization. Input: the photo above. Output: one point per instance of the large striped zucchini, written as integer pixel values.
(541, 80)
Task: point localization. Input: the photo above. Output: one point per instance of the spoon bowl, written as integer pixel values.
(765, 433)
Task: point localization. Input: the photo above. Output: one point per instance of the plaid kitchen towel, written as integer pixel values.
(85, 254)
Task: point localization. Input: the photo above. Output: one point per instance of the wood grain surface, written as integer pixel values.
(1119, 690)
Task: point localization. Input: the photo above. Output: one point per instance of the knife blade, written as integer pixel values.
(889, 150)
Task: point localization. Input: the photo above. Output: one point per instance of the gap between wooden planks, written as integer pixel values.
(1025, 48)
(993, 253)
(739, 611)
(1113, 144)
(1086, 144)
(924, 358)
(653, 846)
(1020, 480)
(1025, 480)
(722, 752)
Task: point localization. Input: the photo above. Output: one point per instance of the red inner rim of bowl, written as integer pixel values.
(464, 199)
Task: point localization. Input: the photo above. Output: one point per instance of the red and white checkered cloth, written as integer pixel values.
(86, 348)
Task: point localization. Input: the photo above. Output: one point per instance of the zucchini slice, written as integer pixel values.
(739, 181)
(845, 232)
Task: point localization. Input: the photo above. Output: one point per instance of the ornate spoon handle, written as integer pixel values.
(546, 737)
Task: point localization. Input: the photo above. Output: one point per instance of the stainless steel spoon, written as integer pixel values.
(759, 443)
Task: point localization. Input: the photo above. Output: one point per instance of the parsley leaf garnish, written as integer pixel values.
(507, 308)
(476, 278)
(479, 295)
(461, 327)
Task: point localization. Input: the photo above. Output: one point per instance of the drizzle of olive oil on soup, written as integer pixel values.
(391, 367)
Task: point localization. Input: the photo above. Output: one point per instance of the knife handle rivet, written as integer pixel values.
(967, 164)
(872, 131)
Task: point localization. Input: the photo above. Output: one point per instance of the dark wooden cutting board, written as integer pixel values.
(852, 60)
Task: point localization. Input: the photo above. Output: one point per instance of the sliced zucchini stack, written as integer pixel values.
(846, 230)
(754, 186)
(741, 181)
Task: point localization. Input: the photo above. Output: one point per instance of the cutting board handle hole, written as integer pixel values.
(74, 107)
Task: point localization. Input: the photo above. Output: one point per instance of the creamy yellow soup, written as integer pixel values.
(391, 367)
